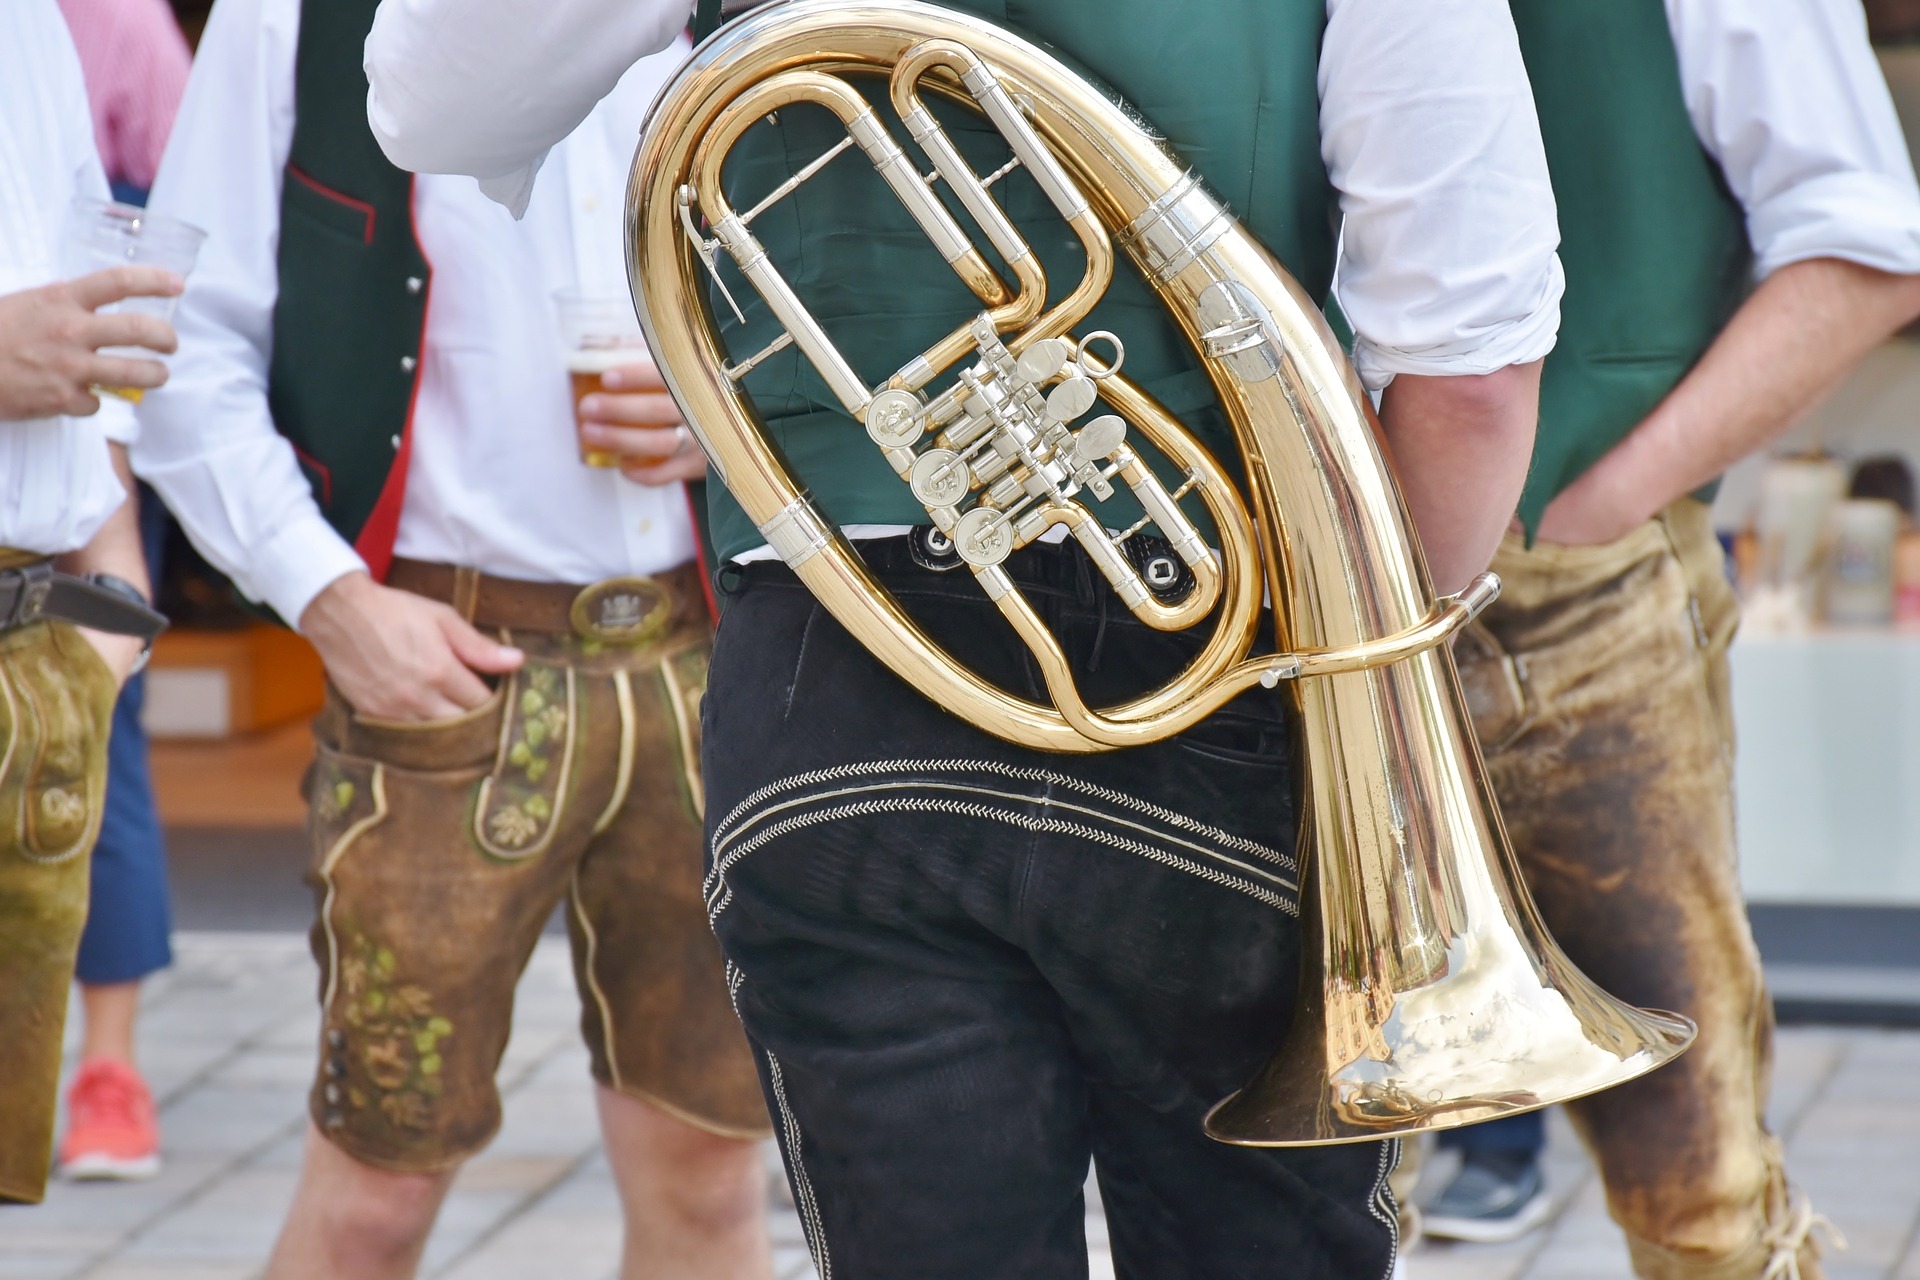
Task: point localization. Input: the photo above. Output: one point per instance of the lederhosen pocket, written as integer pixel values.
(57, 699)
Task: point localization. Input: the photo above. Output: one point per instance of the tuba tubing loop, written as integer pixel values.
(1433, 996)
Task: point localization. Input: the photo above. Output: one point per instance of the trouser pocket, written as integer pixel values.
(56, 704)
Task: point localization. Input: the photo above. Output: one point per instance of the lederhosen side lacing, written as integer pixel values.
(1071, 807)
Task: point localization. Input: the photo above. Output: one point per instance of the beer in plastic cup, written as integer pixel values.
(106, 233)
(599, 332)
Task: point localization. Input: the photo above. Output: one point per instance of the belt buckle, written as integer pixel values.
(627, 612)
(35, 581)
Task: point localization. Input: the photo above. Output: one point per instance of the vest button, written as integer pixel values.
(407, 364)
(396, 443)
(415, 284)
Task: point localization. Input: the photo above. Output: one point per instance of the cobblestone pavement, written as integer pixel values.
(227, 1043)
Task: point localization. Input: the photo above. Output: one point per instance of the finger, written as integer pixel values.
(123, 371)
(477, 653)
(423, 703)
(131, 329)
(636, 410)
(644, 443)
(461, 687)
(688, 466)
(113, 284)
(80, 403)
(641, 375)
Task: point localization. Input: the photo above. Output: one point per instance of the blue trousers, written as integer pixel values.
(129, 913)
(1524, 1132)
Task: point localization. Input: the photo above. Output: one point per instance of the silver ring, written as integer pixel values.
(682, 437)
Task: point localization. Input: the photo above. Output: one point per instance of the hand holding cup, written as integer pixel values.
(625, 417)
(52, 340)
(634, 419)
(105, 235)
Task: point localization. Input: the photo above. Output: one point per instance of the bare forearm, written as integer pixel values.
(1461, 448)
(1793, 340)
(116, 548)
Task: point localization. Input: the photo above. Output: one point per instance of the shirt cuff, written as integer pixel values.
(1487, 349)
(1857, 216)
(299, 562)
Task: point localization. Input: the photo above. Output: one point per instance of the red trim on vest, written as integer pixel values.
(320, 469)
(338, 197)
(700, 558)
(378, 534)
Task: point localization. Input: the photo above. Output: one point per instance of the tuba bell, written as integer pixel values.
(1438, 998)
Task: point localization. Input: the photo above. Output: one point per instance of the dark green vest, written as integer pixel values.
(1654, 246)
(1232, 84)
(349, 324)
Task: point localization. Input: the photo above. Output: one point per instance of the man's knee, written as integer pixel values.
(721, 1183)
(378, 1215)
(701, 1179)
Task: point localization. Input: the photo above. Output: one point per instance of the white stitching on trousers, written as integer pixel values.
(1021, 773)
(709, 884)
(1382, 1204)
(807, 1203)
(727, 854)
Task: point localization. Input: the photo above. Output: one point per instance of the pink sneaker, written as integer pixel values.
(111, 1130)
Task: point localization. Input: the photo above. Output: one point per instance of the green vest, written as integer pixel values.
(350, 321)
(1655, 248)
(1232, 85)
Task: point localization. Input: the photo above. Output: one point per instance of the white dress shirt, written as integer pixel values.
(495, 480)
(1447, 261)
(1788, 98)
(57, 486)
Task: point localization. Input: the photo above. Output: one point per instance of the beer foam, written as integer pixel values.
(601, 359)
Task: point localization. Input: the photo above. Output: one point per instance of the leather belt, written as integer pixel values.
(35, 592)
(618, 611)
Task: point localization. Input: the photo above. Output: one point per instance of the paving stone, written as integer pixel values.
(231, 1120)
(18, 1264)
(493, 1171)
(228, 1037)
(174, 1269)
(234, 1219)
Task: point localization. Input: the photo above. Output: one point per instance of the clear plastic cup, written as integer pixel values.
(598, 331)
(106, 233)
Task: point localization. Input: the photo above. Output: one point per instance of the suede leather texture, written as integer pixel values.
(441, 850)
(1599, 686)
(56, 706)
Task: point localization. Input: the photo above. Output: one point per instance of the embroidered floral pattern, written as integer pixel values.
(522, 795)
(61, 808)
(333, 797)
(395, 1036)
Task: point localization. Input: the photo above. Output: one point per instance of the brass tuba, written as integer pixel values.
(1439, 999)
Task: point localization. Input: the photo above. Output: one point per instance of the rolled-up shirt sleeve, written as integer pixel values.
(488, 87)
(1790, 101)
(1448, 232)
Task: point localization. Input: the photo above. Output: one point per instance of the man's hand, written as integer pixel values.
(642, 424)
(1585, 515)
(50, 339)
(396, 656)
